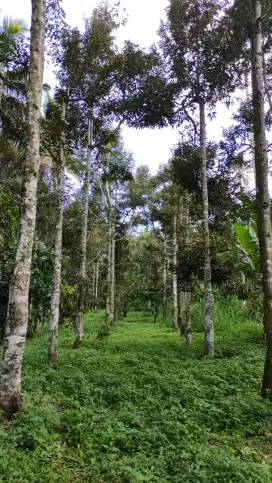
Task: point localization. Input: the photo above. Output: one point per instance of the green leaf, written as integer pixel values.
(245, 238)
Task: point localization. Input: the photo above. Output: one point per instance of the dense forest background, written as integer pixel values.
(90, 241)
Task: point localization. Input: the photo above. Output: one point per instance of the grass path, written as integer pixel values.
(140, 406)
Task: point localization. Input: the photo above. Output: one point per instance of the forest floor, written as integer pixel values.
(139, 406)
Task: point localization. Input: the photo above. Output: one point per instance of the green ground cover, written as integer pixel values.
(138, 405)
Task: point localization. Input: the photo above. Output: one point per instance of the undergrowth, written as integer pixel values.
(139, 406)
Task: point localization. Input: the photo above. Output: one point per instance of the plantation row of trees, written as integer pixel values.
(81, 227)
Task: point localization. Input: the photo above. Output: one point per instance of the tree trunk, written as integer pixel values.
(188, 295)
(17, 318)
(55, 300)
(181, 311)
(112, 274)
(188, 332)
(209, 330)
(83, 247)
(165, 267)
(175, 282)
(36, 328)
(262, 194)
(94, 275)
(96, 283)
(181, 244)
(108, 303)
(251, 134)
(96, 280)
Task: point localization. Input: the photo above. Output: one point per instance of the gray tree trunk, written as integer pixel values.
(175, 282)
(251, 135)
(188, 331)
(262, 194)
(96, 280)
(209, 329)
(17, 317)
(112, 277)
(83, 247)
(109, 272)
(188, 296)
(165, 267)
(181, 230)
(55, 300)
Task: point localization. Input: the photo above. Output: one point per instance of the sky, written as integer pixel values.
(149, 146)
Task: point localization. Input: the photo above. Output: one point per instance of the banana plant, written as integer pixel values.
(248, 242)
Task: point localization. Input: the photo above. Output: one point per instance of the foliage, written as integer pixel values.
(69, 300)
(248, 239)
(9, 222)
(68, 303)
(41, 281)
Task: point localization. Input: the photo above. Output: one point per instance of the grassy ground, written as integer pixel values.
(140, 406)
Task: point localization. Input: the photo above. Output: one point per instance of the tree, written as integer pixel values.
(250, 40)
(262, 189)
(10, 400)
(190, 43)
(55, 299)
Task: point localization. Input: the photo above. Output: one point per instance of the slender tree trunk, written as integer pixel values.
(83, 247)
(251, 134)
(112, 274)
(165, 267)
(262, 194)
(108, 301)
(175, 282)
(17, 318)
(94, 276)
(36, 328)
(29, 332)
(181, 244)
(97, 280)
(188, 295)
(181, 311)
(188, 319)
(209, 329)
(55, 300)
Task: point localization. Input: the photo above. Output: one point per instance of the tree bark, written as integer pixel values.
(188, 295)
(251, 134)
(55, 300)
(112, 273)
(181, 311)
(209, 329)
(108, 302)
(262, 194)
(188, 332)
(175, 282)
(83, 248)
(96, 280)
(17, 318)
(181, 243)
(165, 267)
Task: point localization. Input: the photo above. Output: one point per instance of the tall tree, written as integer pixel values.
(249, 40)
(84, 233)
(17, 319)
(60, 181)
(190, 43)
(262, 189)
